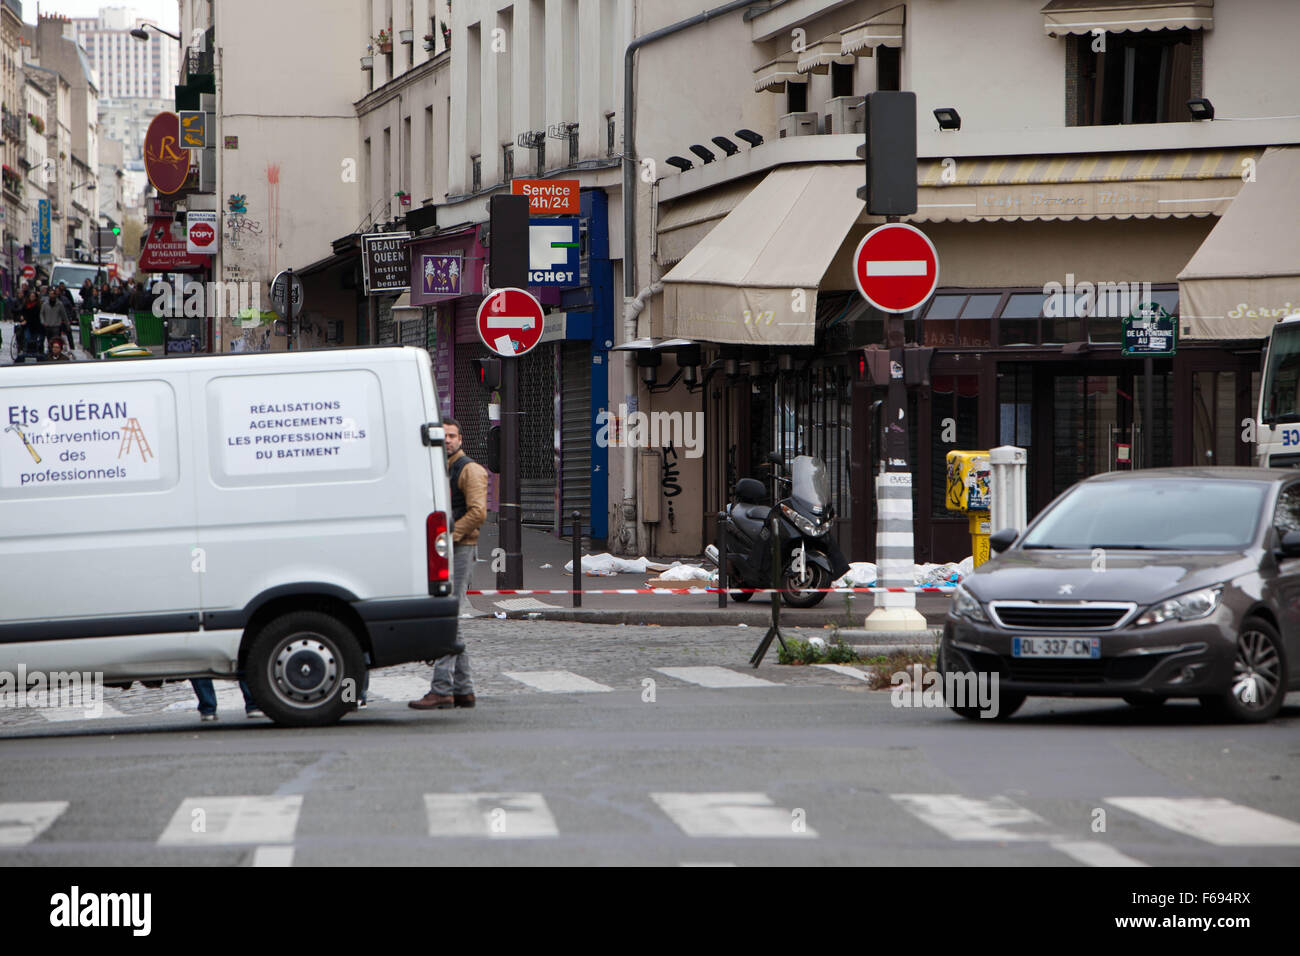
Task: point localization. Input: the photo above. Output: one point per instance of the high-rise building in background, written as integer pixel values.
(127, 67)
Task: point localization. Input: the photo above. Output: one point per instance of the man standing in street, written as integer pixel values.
(452, 685)
(52, 316)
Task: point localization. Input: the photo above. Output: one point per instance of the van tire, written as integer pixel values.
(324, 653)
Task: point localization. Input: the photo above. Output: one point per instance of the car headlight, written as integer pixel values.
(1185, 607)
(965, 605)
(803, 524)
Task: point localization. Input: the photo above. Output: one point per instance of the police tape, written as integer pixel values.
(699, 590)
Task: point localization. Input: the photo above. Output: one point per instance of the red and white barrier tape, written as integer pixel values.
(702, 590)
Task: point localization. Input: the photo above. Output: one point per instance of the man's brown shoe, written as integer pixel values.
(464, 700)
(432, 701)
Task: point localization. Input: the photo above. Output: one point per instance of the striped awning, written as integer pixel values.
(1145, 185)
(818, 57)
(773, 76)
(1075, 17)
(884, 29)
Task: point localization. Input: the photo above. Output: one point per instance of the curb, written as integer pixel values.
(885, 650)
(930, 636)
(714, 618)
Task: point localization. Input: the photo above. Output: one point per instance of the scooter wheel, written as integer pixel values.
(740, 596)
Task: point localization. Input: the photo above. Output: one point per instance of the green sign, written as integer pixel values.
(1150, 331)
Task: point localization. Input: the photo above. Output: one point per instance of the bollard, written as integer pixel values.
(774, 630)
(577, 558)
(722, 558)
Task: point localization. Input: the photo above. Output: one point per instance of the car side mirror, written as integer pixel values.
(1290, 545)
(1001, 540)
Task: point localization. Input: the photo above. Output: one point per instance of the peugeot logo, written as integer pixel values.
(1067, 589)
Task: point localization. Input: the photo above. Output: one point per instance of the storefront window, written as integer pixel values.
(1214, 435)
(1018, 324)
(954, 410)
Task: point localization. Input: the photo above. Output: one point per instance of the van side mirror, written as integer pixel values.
(432, 435)
(1001, 540)
(1290, 545)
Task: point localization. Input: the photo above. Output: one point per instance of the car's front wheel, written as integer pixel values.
(1259, 676)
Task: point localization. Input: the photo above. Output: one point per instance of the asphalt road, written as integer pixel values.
(812, 768)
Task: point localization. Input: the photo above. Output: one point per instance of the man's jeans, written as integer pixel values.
(207, 695)
(451, 673)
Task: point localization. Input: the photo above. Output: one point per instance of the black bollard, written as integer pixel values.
(722, 559)
(577, 558)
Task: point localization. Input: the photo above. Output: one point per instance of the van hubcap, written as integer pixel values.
(1257, 671)
(305, 669)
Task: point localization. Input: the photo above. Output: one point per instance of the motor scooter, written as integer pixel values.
(810, 559)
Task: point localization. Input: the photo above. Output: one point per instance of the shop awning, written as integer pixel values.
(1076, 17)
(684, 223)
(329, 262)
(745, 282)
(773, 76)
(1146, 185)
(884, 29)
(1246, 274)
(818, 57)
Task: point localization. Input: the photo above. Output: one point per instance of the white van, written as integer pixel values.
(283, 515)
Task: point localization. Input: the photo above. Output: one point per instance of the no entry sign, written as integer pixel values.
(896, 267)
(510, 322)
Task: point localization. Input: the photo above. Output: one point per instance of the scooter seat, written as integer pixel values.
(750, 512)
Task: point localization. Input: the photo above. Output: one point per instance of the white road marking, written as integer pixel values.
(397, 687)
(59, 714)
(970, 818)
(217, 821)
(273, 856)
(729, 815)
(1213, 820)
(497, 815)
(848, 671)
(897, 267)
(21, 823)
(557, 682)
(715, 677)
(1093, 853)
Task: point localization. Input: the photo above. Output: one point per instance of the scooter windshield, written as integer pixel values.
(810, 485)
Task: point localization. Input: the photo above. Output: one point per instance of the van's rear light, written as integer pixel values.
(437, 542)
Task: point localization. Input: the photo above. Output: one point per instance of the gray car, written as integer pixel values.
(1145, 585)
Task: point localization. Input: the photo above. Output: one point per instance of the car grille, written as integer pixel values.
(1028, 671)
(1059, 617)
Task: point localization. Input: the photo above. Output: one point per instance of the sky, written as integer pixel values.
(165, 12)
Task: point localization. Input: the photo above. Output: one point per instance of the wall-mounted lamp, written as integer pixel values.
(1201, 109)
(948, 118)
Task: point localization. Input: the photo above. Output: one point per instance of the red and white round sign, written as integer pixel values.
(896, 267)
(29, 272)
(510, 322)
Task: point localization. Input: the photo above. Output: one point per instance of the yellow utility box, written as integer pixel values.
(970, 492)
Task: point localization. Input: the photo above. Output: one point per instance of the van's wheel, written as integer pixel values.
(799, 590)
(298, 668)
(1259, 677)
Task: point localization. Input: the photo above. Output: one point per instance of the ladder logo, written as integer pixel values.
(133, 433)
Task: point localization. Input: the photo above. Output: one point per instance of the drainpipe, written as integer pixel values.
(634, 302)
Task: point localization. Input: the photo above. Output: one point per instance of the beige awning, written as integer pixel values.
(753, 280)
(1160, 184)
(684, 223)
(1246, 274)
(884, 29)
(1075, 17)
(772, 77)
(818, 57)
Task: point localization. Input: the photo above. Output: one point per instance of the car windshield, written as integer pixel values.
(1164, 514)
(74, 276)
(1282, 377)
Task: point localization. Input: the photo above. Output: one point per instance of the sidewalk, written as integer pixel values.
(540, 549)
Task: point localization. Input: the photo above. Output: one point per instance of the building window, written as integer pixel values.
(573, 145)
(796, 97)
(476, 173)
(841, 79)
(1145, 77)
(507, 162)
(889, 68)
(541, 157)
(609, 134)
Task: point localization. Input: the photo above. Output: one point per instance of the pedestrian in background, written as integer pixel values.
(452, 684)
(52, 316)
(207, 696)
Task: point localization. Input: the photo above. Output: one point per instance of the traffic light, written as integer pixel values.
(890, 152)
(117, 230)
(488, 372)
(494, 449)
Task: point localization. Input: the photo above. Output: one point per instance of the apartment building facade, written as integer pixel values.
(1076, 160)
(128, 67)
(13, 154)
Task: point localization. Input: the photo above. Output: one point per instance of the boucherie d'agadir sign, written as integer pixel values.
(386, 260)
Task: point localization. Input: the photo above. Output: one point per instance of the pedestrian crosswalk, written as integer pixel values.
(268, 825)
(178, 698)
